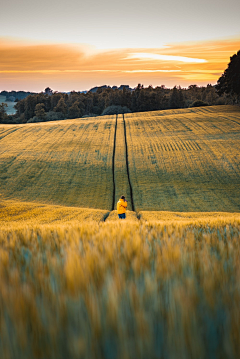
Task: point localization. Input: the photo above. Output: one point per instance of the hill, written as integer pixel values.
(64, 163)
(185, 160)
(178, 160)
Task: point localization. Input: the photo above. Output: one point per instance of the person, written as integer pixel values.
(121, 207)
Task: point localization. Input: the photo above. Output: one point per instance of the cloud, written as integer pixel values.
(150, 71)
(143, 56)
(27, 66)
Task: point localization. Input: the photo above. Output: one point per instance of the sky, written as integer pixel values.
(76, 45)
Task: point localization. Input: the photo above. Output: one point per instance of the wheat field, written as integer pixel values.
(65, 163)
(18, 213)
(185, 160)
(76, 282)
(179, 161)
(120, 290)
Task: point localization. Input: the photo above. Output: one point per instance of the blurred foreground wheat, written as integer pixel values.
(120, 290)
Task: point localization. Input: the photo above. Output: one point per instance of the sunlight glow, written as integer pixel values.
(145, 55)
(65, 67)
(136, 71)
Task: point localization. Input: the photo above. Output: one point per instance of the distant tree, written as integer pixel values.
(199, 103)
(114, 110)
(48, 91)
(229, 82)
(174, 98)
(29, 106)
(193, 92)
(211, 95)
(11, 99)
(74, 111)
(20, 107)
(61, 106)
(89, 103)
(3, 113)
(181, 102)
(40, 111)
(125, 97)
(54, 100)
(54, 116)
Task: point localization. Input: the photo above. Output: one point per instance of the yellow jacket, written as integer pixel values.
(121, 206)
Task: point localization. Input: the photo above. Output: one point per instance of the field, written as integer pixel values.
(76, 282)
(178, 161)
(65, 163)
(120, 290)
(10, 110)
(185, 160)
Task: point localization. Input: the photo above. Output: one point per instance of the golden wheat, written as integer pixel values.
(13, 213)
(65, 162)
(185, 160)
(120, 290)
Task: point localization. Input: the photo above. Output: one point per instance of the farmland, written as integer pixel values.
(185, 160)
(178, 161)
(55, 162)
(76, 282)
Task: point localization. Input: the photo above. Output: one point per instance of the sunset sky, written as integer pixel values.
(75, 45)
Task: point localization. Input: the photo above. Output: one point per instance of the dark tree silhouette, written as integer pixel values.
(3, 114)
(48, 91)
(229, 82)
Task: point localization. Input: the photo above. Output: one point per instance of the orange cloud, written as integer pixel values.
(28, 66)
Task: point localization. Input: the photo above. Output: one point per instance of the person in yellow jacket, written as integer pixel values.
(121, 207)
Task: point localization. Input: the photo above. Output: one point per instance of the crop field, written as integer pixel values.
(178, 160)
(77, 282)
(66, 163)
(120, 290)
(185, 160)
(18, 214)
(10, 110)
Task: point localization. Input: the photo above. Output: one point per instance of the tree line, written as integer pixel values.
(107, 101)
(15, 95)
(50, 106)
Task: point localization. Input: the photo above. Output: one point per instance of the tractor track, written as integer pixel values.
(113, 169)
(113, 164)
(126, 149)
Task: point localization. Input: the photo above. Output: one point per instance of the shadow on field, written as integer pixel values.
(130, 215)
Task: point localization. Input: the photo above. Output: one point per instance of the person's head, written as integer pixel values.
(122, 197)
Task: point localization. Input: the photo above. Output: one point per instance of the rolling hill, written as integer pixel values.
(175, 160)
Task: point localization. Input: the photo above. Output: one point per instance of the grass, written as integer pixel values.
(76, 282)
(185, 160)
